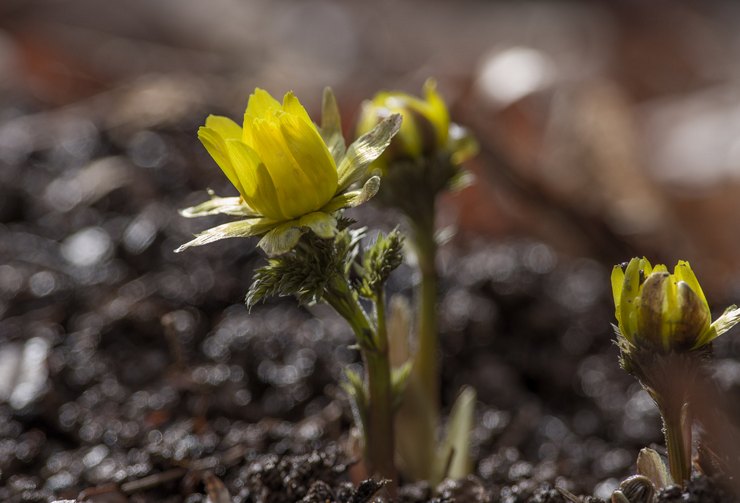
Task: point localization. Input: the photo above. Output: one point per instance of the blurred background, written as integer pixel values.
(600, 121)
(607, 130)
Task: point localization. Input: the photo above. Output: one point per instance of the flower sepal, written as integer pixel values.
(234, 206)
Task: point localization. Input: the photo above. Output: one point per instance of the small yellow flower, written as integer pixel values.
(665, 312)
(426, 127)
(291, 176)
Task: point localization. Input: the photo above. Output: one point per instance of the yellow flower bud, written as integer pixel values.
(425, 127)
(664, 312)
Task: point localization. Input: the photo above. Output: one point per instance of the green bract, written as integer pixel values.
(291, 176)
(662, 311)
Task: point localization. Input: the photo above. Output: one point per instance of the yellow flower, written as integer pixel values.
(291, 176)
(665, 312)
(426, 127)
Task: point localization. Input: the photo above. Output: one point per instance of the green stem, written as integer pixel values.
(426, 367)
(379, 443)
(418, 416)
(381, 332)
(378, 427)
(677, 431)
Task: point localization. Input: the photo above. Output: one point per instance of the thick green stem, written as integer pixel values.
(418, 417)
(378, 427)
(381, 330)
(426, 367)
(677, 431)
(379, 443)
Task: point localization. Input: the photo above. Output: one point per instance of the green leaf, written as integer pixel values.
(288, 274)
(234, 206)
(454, 456)
(281, 239)
(322, 224)
(381, 258)
(331, 126)
(399, 330)
(355, 389)
(238, 229)
(399, 379)
(365, 150)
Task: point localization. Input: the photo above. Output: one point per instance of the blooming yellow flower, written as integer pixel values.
(426, 127)
(291, 176)
(665, 312)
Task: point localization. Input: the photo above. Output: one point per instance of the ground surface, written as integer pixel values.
(130, 373)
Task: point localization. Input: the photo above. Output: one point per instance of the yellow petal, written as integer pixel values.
(312, 156)
(216, 146)
(683, 272)
(646, 268)
(627, 303)
(261, 105)
(259, 189)
(437, 111)
(293, 106)
(225, 127)
(617, 279)
(292, 186)
(409, 134)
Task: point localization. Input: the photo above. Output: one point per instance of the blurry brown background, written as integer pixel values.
(607, 128)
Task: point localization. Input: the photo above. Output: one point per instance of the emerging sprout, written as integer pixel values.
(664, 333)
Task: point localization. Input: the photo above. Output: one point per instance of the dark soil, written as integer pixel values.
(130, 373)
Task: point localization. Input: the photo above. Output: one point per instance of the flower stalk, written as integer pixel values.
(426, 365)
(425, 155)
(677, 432)
(373, 343)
